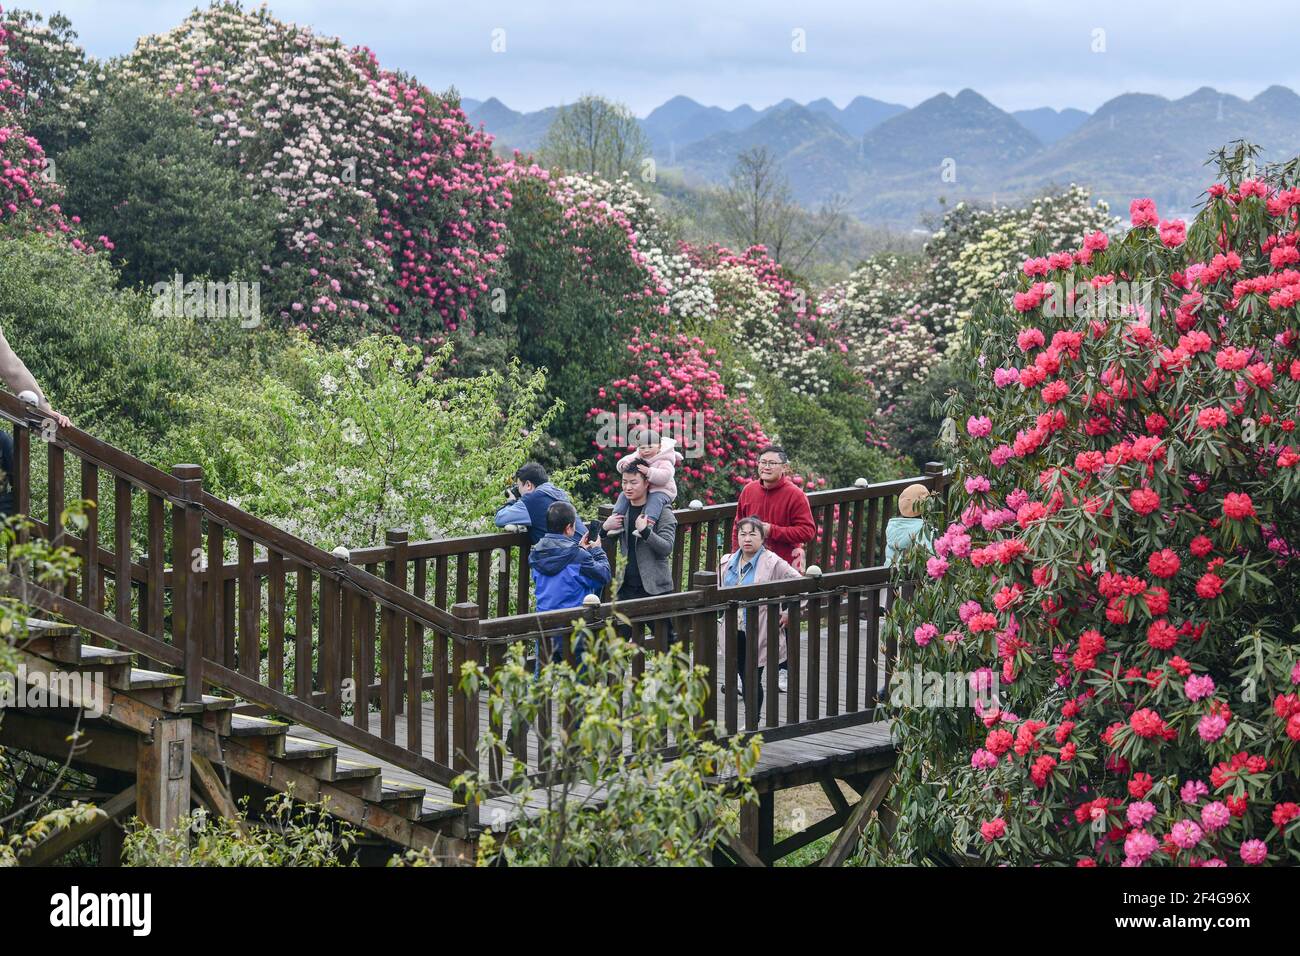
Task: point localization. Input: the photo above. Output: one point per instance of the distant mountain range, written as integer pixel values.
(895, 164)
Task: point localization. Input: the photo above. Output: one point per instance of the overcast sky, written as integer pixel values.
(1018, 53)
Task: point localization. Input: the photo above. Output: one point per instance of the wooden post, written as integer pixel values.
(187, 629)
(705, 633)
(394, 639)
(163, 774)
(464, 707)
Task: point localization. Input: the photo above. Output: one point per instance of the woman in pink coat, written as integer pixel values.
(751, 563)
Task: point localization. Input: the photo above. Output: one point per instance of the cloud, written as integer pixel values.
(1018, 53)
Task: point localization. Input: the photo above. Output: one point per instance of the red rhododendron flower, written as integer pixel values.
(1144, 500)
(1238, 506)
(1164, 563)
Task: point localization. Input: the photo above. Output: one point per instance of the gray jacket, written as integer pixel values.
(654, 553)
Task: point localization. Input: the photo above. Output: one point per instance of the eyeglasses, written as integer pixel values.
(770, 464)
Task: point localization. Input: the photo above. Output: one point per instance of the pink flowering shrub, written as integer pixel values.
(1121, 559)
(680, 375)
(395, 207)
(29, 200)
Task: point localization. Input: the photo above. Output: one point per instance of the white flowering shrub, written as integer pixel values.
(682, 284)
(339, 446)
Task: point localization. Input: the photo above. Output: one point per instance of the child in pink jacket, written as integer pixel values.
(660, 473)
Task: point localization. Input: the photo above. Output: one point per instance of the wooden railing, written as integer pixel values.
(307, 650)
(364, 646)
(491, 570)
(839, 658)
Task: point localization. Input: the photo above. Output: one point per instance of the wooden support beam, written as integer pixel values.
(811, 835)
(848, 838)
(99, 746)
(66, 839)
(213, 789)
(835, 796)
(737, 848)
(757, 823)
(163, 774)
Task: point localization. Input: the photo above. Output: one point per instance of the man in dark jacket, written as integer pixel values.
(529, 500)
(648, 568)
(565, 569)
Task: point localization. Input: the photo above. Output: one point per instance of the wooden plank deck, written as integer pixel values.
(780, 759)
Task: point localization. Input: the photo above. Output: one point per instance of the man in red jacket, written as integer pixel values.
(783, 508)
(780, 504)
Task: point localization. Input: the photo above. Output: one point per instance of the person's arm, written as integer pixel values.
(595, 566)
(516, 512)
(801, 528)
(19, 378)
(16, 374)
(660, 541)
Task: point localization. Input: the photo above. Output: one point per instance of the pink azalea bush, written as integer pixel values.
(29, 200)
(1121, 559)
(394, 207)
(675, 374)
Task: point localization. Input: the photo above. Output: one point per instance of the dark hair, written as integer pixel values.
(632, 466)
(559, 516)
(534, 473)
(752, 521)
(775, 449)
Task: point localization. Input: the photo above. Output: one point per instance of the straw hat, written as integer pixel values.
(910, 498)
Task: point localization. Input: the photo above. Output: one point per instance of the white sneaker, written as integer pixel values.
(781, 681)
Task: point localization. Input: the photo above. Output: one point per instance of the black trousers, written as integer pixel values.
(631, 590)
(742, 652)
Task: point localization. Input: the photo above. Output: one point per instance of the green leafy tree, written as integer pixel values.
(576, 295)
(595, 136)
(616, 799)
(125, 375)
(339, 446)
(155, 182)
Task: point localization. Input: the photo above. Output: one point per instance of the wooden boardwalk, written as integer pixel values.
(781, 760)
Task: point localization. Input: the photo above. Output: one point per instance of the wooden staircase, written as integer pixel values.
(214, 743)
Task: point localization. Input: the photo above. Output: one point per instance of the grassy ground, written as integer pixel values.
(799, 808)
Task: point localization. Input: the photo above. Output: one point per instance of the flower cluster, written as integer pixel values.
(28, 196)
(393, 205)
(1106, 554)
(679, 375)
(772, 319)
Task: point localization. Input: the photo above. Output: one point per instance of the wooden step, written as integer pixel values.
(157, 688)
(246, 725)
(217, 713)
(310, 756)
(359, 779)
(53, 639)
(404, 799)
(92, 655)
(259, 734)
(142, 679)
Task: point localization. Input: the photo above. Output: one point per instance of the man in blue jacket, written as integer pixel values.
(529, 500)
(565, 568)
